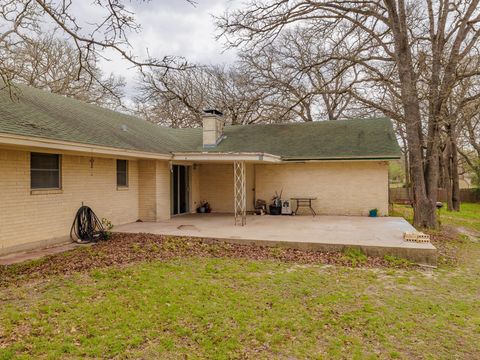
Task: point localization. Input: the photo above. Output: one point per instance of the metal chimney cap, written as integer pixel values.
(213, 112)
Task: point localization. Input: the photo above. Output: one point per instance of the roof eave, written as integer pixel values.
(40, 144)
(225, 156)
(343, 158)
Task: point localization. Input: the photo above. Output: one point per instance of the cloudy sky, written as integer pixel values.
(173, 27)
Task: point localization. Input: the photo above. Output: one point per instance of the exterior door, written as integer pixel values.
(180, 189)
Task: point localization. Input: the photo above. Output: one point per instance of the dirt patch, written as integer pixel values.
(470, 234)
(124, 249)
(448, 243)
(187, 227)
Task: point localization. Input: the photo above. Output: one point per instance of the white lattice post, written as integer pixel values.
(240, 193)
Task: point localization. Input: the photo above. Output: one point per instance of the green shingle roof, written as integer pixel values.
(366, 138)
(41, 114)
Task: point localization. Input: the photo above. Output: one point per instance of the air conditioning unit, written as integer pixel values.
(286, 207)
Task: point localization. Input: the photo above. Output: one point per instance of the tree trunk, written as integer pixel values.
(424, 215)
(455, 175)
(450, 159)
(407, 169)
(432, 161)
(424, 210)
(447, 174)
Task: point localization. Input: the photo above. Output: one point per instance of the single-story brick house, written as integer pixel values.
(57, 153)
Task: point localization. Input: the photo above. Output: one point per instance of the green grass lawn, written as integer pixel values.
(468, 217)
(221, 308)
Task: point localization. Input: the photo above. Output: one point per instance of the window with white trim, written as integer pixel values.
(44, 171)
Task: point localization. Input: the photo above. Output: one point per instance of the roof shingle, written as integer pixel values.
(41, 114)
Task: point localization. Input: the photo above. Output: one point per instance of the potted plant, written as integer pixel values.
(204, 207)
(373, 212)
(276, 206)
(208, 208)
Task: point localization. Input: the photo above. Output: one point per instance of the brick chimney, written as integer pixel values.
(213, 124)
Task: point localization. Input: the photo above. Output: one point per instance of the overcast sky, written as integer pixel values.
(173, 27)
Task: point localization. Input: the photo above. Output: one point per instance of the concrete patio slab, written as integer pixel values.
(374, 236)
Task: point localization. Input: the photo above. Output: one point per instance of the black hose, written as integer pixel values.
(87, 227)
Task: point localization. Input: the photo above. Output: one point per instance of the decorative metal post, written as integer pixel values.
(240, 193)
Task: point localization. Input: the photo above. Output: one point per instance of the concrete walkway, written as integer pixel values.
(374, 236)
(19, 257)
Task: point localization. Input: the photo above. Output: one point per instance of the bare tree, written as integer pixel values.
(288, 67)
(469, 127)
(25, 19)
(458, 132)
(51, 63)
(277, 83)
(395, 44)
(177, 99)
(472, 157)
(17, 20)
(174, 99)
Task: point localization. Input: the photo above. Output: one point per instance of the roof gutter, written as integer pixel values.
(225, 156)
(47, 145)
(343, 158)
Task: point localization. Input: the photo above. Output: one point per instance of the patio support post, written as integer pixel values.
(240, 193)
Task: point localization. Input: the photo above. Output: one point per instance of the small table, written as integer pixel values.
(304, 202)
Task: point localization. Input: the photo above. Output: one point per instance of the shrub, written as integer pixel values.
(107, 226)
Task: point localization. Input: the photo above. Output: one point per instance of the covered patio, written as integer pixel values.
(374, 236)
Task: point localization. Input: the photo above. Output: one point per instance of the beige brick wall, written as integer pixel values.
(28, 218)
(212, 129)
(194, 188)
(163, 190)
(344, 188)
(147, 190)
(154, 190)
(341, 188)
(216, 186)
(250, 177)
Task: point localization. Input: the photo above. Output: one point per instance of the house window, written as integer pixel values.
(44, 171)
(122, 173)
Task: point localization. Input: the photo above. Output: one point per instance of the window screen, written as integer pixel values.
(122, 173)
(44, 171)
